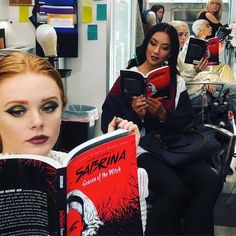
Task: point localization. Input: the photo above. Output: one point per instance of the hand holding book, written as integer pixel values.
(199, 48)
(156, 108)
(139, 105)
(119, 123)
(201, 65)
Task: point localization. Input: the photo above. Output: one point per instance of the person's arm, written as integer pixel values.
(188, 71)
(212, 18)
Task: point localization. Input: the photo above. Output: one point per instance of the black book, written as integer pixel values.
(155, 84)
(94, 190)
(199, 48)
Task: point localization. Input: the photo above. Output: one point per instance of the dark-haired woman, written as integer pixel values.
(159, 10)
(161, 47)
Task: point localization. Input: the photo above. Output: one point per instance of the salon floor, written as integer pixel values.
(225, 211)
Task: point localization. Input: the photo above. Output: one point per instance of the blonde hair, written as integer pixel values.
(207, 8)
(17, 63)
(178, 24)
(197, 26)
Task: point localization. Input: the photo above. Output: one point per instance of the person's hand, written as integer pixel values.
(156, 108)
(139, 105)
(125, 124)
(202, 64)
(211, 88)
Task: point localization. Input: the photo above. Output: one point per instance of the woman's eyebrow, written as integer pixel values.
(50, 98)
(158, 42)
(23, 102)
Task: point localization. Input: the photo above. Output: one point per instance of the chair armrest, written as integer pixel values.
(230, 150)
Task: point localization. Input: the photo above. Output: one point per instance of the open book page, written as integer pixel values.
(103, 182)
(28, 195)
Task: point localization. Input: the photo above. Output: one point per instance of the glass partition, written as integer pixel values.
(122, 36)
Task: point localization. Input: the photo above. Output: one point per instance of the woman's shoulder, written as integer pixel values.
(210, 17)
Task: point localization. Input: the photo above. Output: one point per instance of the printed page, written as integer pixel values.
(28, 197)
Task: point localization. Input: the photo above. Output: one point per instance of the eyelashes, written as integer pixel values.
(16, 111)
(50, 107)
(164, 47)
(20, 110)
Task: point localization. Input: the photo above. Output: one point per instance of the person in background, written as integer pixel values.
(192, 73)
(159, 10)
(161, 47)
(152, 17)
(31, 102)
(201, 28)
(212, 13)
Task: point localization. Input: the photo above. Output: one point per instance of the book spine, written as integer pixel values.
(62, 202)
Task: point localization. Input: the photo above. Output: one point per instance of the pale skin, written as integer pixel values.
(30, 114)
(203, 63)
(160, 13)
(183, 35)
(118, 122)
(158, 50)
(214, 8)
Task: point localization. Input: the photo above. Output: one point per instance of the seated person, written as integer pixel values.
(31, 102)
(161, 47)
(201, 28)
(192, 73)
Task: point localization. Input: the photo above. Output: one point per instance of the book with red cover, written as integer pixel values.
(94, 191)
(199, 48)
(155, 84)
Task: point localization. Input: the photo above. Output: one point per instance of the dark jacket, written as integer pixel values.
(178, 117)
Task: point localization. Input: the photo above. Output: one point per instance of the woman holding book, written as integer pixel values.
(191, 73)
(212, 13)
(31, 102)
(161, 47)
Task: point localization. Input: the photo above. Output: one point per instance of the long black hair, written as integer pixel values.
(174, 40)
(156, 7)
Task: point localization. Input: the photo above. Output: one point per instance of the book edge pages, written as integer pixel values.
(93, 143)
(45, 159)
(157, 69)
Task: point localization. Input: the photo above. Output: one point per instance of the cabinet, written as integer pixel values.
(63, 16)
(3, 10)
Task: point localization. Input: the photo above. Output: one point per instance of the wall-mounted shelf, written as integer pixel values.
(63, 16)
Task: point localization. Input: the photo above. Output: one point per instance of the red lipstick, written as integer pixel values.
(39, 139)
